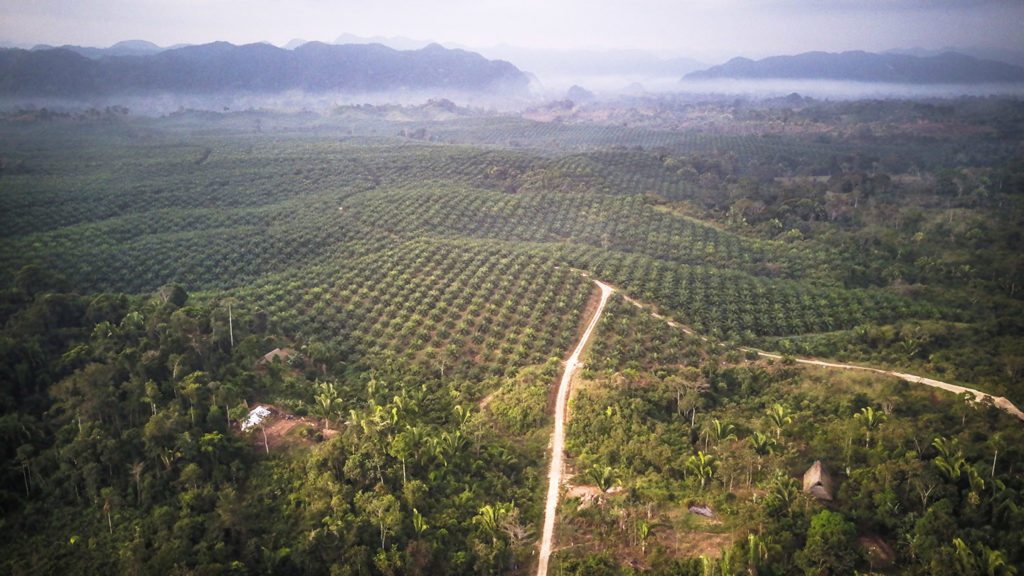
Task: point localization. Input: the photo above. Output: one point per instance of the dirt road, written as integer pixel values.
(1000, 402)
(558, 436)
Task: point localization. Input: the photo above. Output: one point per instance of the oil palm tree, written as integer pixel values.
(871, 420)
(702, 466)
(780, 416)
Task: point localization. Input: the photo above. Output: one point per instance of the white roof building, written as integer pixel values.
(256, 416)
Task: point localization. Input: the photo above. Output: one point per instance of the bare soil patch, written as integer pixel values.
(879, 553)
(283, 430)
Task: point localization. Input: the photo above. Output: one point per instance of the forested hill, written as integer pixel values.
(222, 67)
(947, 68)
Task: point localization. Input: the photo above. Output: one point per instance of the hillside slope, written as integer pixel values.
(947, 68)
(221, 67)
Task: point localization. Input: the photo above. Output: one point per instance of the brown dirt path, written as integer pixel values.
(1000, 402)
(558, 436)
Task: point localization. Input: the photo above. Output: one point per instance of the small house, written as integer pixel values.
(281, 354)
(256, 417)
(818, 482)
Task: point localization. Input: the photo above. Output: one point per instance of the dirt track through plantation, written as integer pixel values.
(558, 436)
(1000, 402)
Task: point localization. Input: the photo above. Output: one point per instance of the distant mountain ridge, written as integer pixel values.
(946, 68)
(221, 67)
(123, 48)
(1007, 55)
(396, 42)
(593, 62)
(553, 62)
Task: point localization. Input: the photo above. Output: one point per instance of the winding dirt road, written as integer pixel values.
(1000, 402)
(558, 436)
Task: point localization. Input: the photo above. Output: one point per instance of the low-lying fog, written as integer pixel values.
(608, 86)
(289, 101)
(542, 90)
(838, 90)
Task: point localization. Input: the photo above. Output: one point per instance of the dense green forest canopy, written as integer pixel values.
(420, 273)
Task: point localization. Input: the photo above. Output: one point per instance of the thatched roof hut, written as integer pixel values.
(818, 482)
(281, 354)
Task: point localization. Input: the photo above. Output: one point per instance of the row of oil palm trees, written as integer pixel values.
(729, 304)
(495, 307)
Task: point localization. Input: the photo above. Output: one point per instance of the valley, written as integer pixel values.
(667, 304)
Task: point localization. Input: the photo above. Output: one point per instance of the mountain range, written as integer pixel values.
(140, 67)
(219, 67)
(1008, 55)
(945, 68)
(554, 63)
(123, 48)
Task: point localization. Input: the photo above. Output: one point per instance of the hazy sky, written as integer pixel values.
(715, 28)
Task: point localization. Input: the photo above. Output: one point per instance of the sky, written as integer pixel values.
(707, 29)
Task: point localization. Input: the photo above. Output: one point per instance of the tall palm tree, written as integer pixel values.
(762, 443)
(757, 552)
(719, 431)
(870, 419)
(783, 492)
(950, 459)
(603, 476)
(995, 442)
(965, 560)
(326, 402)
(643, 532)
(702, 466)
(780, 416)
(490, 519)
(229, 302)
(419, 524)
